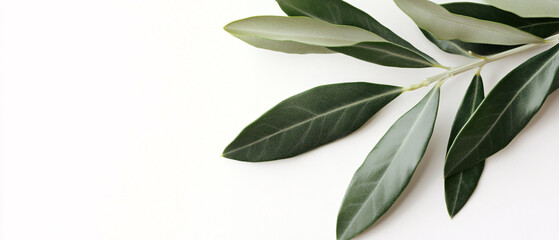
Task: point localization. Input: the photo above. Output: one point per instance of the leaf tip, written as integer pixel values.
(451, 211)
(225, 153)
(227, 28)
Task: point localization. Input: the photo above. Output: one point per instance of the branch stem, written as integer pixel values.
(480, 63)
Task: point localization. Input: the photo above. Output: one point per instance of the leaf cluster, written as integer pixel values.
(483, 124)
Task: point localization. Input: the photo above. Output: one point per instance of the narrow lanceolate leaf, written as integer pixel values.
(541, 27)
(532, 8)
(505, 111)
(310, 119)
(447, 26)
(340, 12)
(388, 169)
(283, 32)
(458, 188)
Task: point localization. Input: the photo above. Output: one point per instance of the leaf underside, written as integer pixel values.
(284, 46)
(532, 8)
(310, 119)
(458, 188)
(448, 26)
(388, 168)
(281, 33)
(505, 111)
(541, 27)
(340, 12)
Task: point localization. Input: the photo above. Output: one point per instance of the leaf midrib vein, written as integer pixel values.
(538, 24)
(457, 192)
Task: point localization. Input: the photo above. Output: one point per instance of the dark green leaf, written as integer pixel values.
(388, 169)
(310, 119)
(505, 111)
(458, 188)
(384, 53)
(462, 48)
(340, 12)
(541, 27)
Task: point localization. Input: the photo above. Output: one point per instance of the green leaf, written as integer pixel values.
(340, 12)
(447, 26)
(388, 169)
(286, 31)
(310, 119)
(531, 8)
(555, 84)
(505, 111)
(458, 188)
(541, 27)
(387, 54)
(283, 46)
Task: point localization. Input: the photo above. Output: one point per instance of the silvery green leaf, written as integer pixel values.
(447, 26)
(541, 27)
(529, 8)
(290, 34)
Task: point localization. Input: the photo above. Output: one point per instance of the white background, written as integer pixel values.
(115, 113)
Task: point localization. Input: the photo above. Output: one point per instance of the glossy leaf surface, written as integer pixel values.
(340, 12)
(505, 111)
(388, 168)
(310, 119)
(285, 31)
(531, 8)
(541, 27)
(458, 188)
(447, 26)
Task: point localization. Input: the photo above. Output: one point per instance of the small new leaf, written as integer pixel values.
(310, 119)
(388, 169)
(505, 111)
(458, 188)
